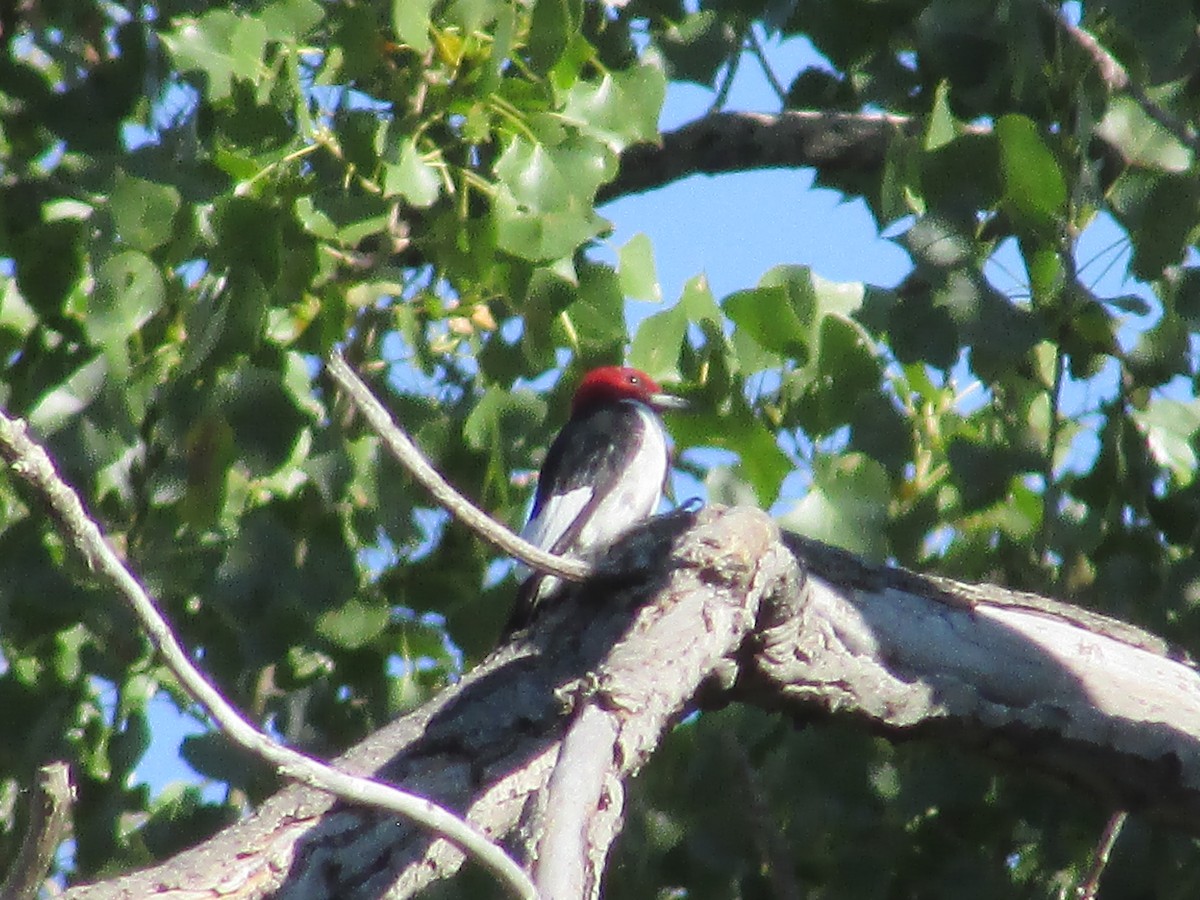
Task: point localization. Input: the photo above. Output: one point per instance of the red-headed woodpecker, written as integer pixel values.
(604, 473)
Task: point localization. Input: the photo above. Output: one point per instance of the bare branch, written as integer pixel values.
(741, 141)
(1094, 702)
(627, 656)
(1019, 677)
(1086, 889)
(760, 54)
(579, 790)
(30, 463)
(456, 504)
(49, 820)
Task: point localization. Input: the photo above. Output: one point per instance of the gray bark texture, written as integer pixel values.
(535, 745)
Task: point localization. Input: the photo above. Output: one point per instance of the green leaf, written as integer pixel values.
(354, 624)
(50, 262)
(213, 756)
(698, 302)
(143, 211)
(410, 22)
(767, 316)
(1034, 188)
(129, 290)
(1169, 426)
(264, 419)
(411, 177)
(501, 417)
(543, 207)
(760, 461)
(900, 190)
(1140, 140)
(847, 505)
(619, 110)
(1169, 217)
(292, 18)
(823, 395)
(940, 128)
(599, 313)
(983, 472)
(73, 396)
(635, 265)
(553, 24)
(220, 45)
(129, 744)
(657, 344)
(698, 46)
(227, 322)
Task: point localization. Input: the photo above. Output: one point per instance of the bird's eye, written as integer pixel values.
(633, 379)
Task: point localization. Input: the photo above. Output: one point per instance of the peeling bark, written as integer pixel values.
(1086, 698)
(536, 743)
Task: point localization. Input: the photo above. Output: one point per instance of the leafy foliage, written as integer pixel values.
(199, 200)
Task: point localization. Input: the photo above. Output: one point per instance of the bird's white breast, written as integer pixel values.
(634, 498)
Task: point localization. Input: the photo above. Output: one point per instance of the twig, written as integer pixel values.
(49, 818)
(1086, 889)
(1116, 78)
(731, 70)
(30, 462)
(760, 54)
(461, 508)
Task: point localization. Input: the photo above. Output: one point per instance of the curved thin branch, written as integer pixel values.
(30, 462)
(1087, 889)
(458, 506)
(760, 54)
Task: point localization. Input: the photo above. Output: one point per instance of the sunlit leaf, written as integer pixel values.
(1034, 188)
(129, 290)
(635, 265)
(1169, 426)
(410, 20)
(143, 211)
(846, 505)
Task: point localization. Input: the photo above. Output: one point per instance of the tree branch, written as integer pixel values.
(49, 821)
(740, 141)
(456, 504)
(492, 743)
(721, 603)
(1092, 701)
(29, 462)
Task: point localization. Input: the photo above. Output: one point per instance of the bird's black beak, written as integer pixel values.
(668, 401)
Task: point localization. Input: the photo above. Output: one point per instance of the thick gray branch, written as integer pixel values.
(534, 745)
(488, 746)
(834, 143)
(1088, 699)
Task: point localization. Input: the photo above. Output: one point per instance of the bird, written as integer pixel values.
(604, 473)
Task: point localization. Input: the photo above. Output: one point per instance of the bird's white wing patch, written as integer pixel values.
(556, 516)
